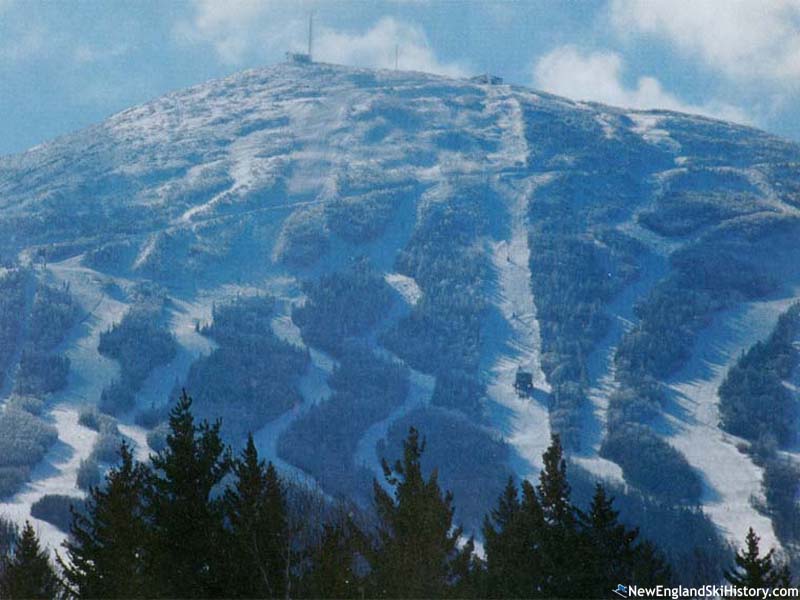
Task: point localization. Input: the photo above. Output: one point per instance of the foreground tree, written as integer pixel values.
(756, 571)
(541, 545)
(417, 554)
(256, 509)
(105, 555)
(333, 572)
(187, 537)
(27, 572)
(614, 553)
(513, 535)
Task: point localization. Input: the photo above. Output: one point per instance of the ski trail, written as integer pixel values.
(183, 318)
(313, 387)
(602, 372)
(90, 372)
(731, 479)
(420, 390)
(56, 474)
(526, 424)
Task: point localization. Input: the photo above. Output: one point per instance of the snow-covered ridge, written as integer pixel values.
(200, 187)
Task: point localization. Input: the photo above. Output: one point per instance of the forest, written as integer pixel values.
(756, 404)
(140, 342)
(251, 368)
(197, 521)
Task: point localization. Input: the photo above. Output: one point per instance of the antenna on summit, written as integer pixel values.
(299, 57)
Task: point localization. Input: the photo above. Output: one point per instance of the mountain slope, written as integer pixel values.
(462, 232)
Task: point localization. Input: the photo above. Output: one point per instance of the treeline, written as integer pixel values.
(575, 275)
(25, 437)
(104, 450)
(41, 369)
(253, 370)
(366, 389)
(12, 304)
(705, 277)
(196, 522)
(341, 311)
(684, 212)
(755, 404)
(753, 401)
(341, 306)
(442, 333)
(140, 343)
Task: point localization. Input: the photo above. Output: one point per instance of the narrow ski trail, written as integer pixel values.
(730, 477)
(523, 421)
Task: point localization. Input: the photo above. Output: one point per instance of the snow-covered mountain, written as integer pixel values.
(487, 262)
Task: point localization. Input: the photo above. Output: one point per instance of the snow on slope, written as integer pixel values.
(602, 370)
(56, 474)
(90, 372)
(406, 286)
(730, 477)
(420, 390)
(313, 387)
(230, 151)
(526, 425)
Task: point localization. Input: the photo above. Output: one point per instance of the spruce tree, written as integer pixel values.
(417, 544)
(560, 542)
(607, 545)
(499, 542)
(752, 569)
(513, 535)
(612, 553)
(105, 555)
(186, 548)
(256, 511)
(28, 573)
(554, 489)
(333, 571)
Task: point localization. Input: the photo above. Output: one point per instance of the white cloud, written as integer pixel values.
(242, 29)
(742, 39)
(235, 28)
(87, 54)
(376, 48)
(30, 44)
(598, 76)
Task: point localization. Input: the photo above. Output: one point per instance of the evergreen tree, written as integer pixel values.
(499, 542)
(417, 554)
(611, 553)
(105, 555)
(650, 567)
(27, 573)
(256, 511)
(753, 570)
(607, 544)
(186, 549)
(333, 571)
(513, 544)
(554, 489)
(560, 542)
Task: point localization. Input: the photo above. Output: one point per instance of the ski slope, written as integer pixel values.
(524, 422)
(731, 479)
(202, 188)
(89, 374)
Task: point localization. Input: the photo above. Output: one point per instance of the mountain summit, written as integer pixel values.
(324, 256)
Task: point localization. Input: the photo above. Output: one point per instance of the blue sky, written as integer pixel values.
(67, 64)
